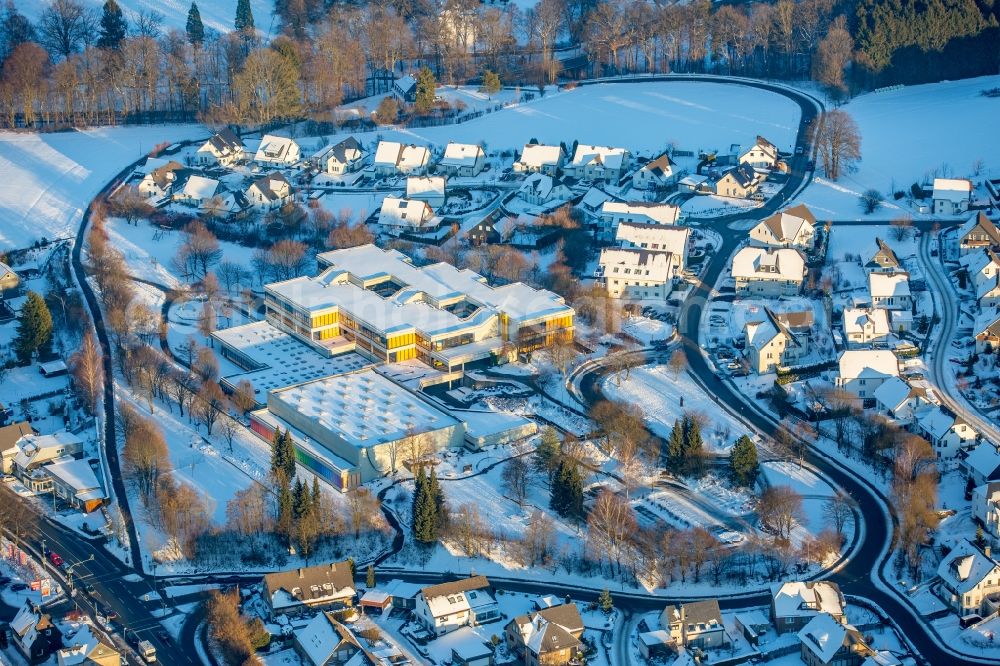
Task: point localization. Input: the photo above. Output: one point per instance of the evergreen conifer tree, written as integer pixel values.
(605, 602)
(315, 493)
(113, 26)
(34, 328)
(195, 28)
(675, 445)
(546, 456)
(743, 461)
(426, 90)
(244, 17)
(370, 577)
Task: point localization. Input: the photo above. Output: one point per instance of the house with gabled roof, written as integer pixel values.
(970, 579)
(768, 271)
(761, 155)
(427, 188)
(770, 344)
(655, 174)
(223, 148)
(977, 233)
(826, 642)
(987, 330)
(794, 604)
(986, 507)
(9, 279)
(865, 326)
(323, 641)
(605, 163)
(404, 215)
(861, 372)
(161, 181)
(548, 636)
(196, 190)
(446, 607)
(883, 259)
(636, 274)
(890, 290)
(981, 464)
(320, 586)
(903, 401)
(269, 192)
(696, 624)
(951, 196)
(10, 437)
(83, 647)
(792, 227)
(392, 157)
(462, 159)
(667, 238)
(540, 158)
(346, 156)
(738, 182)
(34, 633)
(540, 189)
(277, 151)
(946, 431)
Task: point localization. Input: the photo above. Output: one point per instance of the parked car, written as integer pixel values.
(17, 587)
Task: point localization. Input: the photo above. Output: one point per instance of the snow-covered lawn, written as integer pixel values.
(908, 135)
(47, 180)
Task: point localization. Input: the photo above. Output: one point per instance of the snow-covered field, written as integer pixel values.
(909, 134)
(47, 180)
(643, 117)
(215, 14)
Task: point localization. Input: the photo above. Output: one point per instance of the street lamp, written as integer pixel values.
(69, 572)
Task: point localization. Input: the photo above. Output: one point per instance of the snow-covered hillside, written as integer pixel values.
(912, 132)
(47, 180)
(215, 14)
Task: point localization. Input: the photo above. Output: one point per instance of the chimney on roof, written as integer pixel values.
(988, 551)
(301, 573)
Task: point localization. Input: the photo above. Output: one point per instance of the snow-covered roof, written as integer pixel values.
(542, 186)
(309, 585)
(457, 596)
(987, 324)
(938, 421)
(965, 567)
(629, 263)
(765, 146)
(77, 474)
(952, 189)
(661, 237)
(787, 225)
(318, 639)
(276, 148)
(393, 153)
(769, 263)
(461, 154)
(760, 333)
(868, 363)
(661, 167)
(856, 319)
(404, 212)
(652, 211)
(52, 366)
(36, 449)
(375, 597)
(424, 186)
(983, 224)
(467, 644)
(823, 636)
(886, 285)
(985, 460)
(25, 618)
(345, 151)
(537, 155)
(401, 589)
(83, 647)
(882, 658)
(594, 198)
(893, 393)
(273, 185)
(200, 187)
(802, 599)
(606, 156)
(693, 180)
(655, 637)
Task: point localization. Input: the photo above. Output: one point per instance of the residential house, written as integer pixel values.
(426, 188)
(446, 607)
(890, 291)
(768, 271)
(197, 190)
(612, 213)
(983, 270)
(34, 634)
(981, 464)
(37, 450)
(405, 89)
(903, 401)
(540, 189)
(636, 274)
(761, 155)
(695, 183)
(988, 332)
(864, 327)
(404, 215)
(739, 182)
(591, 204)
(970, 580)
(883, 260)
(946, 431)
(794, 604)
(8, 278)
(224, 149)
(697, 624)
(321, 586)
(656, 174)
(548, 637)
(269, 192)
(324, 641)
(667, 238)
(540, 158)
(346, 156)
(988, 292)
(392, 157)
(793, 227)
(977, 233)
(277, 151)
(951, 195)
(598, 163)
(76, 483)
(770, 344)
(85, 648)
(861, 372)
(986, 507)
(468, 648)
(160, 181)
(10, 436)
(825, 641)
(462, 159)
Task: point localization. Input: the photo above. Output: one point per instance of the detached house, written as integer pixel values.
(983, 269)
(862, 372)
(548, 637)
(539, 158)
(598, 163)
(827, 642)
(794, 604)
(890, 291)
(656, 174)
(611, 213)
(657, 238)
(770, 344)
(404, 215)
(426, 188)
(988, 333)
(34, 634)
(982, 464)
(902, 401)
(324, 641)
(277, 151)
(977, 233)
(865, 326)
(951, 195)
(197, 190)
(768, 272)
(269, 191)
(85, 648)
(160, 181)
(946, 431)
(883, 260)
(970, 580)
(636, 274)
(761, 155)
(986, 507)
(739, 182)
(346, 156)
(462, 159)
(695, 624)
(392, 157)
(793, 227)
(540, 189)
(223, 149)
(448, 606)
(321, 586)
(9, 279)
